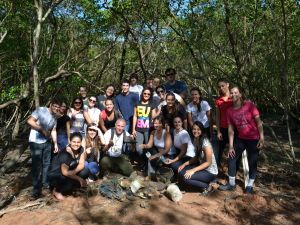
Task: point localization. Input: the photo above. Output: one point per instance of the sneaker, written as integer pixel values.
(249, 190)
(35, 196)
(227, 187)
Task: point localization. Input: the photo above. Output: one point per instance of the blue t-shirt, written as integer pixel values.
(178, 87)
(126, 104)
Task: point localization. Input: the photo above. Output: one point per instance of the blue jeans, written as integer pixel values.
(200, 179)
(62, 140)
(41, 159)
(178, 163)
(252, 154)
(93, 167)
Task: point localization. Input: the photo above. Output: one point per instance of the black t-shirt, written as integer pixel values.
(169, 117)
(63, 157)
(143, 113)
(61, 123)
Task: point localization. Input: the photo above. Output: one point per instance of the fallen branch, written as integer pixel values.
(39, 203)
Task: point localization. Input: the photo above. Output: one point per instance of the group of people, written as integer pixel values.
(156, 125)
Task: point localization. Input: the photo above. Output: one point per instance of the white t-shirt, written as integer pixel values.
(183, 137)
(164, 102)
(213, 168)
(136, 89)
(116, 149)
(199, 116)
(94, 114)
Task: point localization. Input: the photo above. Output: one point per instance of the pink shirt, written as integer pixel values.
(243, 119)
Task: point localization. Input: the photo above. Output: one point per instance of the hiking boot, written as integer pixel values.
(227, 187)
(249, 190)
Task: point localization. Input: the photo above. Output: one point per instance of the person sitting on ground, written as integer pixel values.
(109, 93)
(243, 118)
(108, 116)
(184, 148)
(174, 85)
(115, 159)
(78, 117)
(92, 145)
(67, 169)
(172, 110)
(159, 144)
(200, 170)
(63, 127)
(134, 86)
(199, 110)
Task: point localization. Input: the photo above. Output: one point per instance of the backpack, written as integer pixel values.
(127, 140)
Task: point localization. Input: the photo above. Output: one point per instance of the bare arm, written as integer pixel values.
(87, 117)
(259, 125)
(134, 122)
(54, 139)
(231, 152)
(68, 127)
(101, 124)
(218, 124)
(190, 120)
(185, 124)
(150, 142)
(209, 117)
(32, 122)
(69, 173)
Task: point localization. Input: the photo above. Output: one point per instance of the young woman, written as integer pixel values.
(199, 110)
(63, 127)
(109, 93)
(78, 116)
(92, 144)
(159, 144)
(171, 110)
(200, 170)
(108, 116)
(243, 117)
(67, 169)
(161, 93)
(184, 148)
(143, 112)
(92, 111)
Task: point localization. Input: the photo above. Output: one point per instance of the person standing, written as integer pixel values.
(174, 85)
(134, 86)
(83, 95)
(125, 103)
(43, 122)
(109, 94)
(223, 102)
(243, 117)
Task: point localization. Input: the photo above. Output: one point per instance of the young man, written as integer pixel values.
(115, 159)
(223, 102)
(43, 128)
(134, 87)
(83, 95)
(174, 85)
(125, 103)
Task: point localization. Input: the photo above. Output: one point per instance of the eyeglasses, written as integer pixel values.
(147, 94)
(160, 91)
(91, 100)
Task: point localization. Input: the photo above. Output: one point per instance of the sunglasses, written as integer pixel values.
(160, 91)
(147, 94)
(91, 100)
(77, 102)
(92, 130)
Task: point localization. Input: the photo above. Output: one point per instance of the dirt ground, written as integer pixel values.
(276, 199)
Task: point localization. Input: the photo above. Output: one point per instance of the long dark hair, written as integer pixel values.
(202, 137)
(74, 100)
(200, 100)
(146, 89)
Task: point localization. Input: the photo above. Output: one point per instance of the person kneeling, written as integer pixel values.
(115, 160)
(67, 169)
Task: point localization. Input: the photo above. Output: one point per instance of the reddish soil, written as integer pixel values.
(276, 201)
